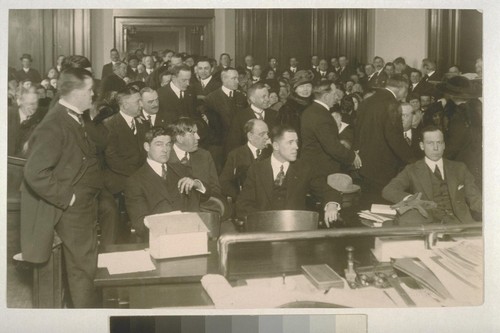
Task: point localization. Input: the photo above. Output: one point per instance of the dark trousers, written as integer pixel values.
(371, 193)
(109, 219)
(77, 229)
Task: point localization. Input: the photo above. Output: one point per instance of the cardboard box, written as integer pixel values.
(173, 235)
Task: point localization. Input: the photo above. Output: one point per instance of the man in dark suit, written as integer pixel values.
(149, 103)
(258, 95)
(345, 70)
(382, 148)
(149, 65)
(224, 63)
(319, 133)
(28, 73)
(430, 69)
(115, 81)
(314, 63)
(448, 183)
(22, 121)
(158, 186)
(417, 85)
(132, 72)
(410, 134)
(62, 184)
(282, 182)
(227, 100)
(176, 99)
(294, 66)
(124, 153)
(107, 69)
(197, 162)
(321, 73)
(379, 77)
(234, 173)
(205, 83)
(402, 68)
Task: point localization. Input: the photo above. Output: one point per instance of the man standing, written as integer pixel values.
(417, 85)
(314, 63)
(132, 72)
(234, 173)
(448, 184)
(258, 95)
(62, 184)
(124, 153)
(227, 100)
(379, 78)
(27, 73)
(149, 65)
(410, 134)
(176, 99)
(157, 187)
(345, 71)
(114, 81)
(282, 182)
(108, 68)
(206, 82)
(402, 68)
(379, 140)
(320, 141)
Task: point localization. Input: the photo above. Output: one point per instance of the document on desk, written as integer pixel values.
(126, 262)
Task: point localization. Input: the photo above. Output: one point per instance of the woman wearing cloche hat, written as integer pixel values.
(299, 99)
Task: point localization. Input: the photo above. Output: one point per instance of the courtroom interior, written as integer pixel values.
(204, 158)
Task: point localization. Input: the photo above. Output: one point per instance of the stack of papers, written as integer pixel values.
(126, 262)
(377, 215)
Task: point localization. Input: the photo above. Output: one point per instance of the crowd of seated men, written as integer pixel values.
(170, 131)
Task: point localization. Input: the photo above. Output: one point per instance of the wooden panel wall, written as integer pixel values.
(283, 33)
(45, 34)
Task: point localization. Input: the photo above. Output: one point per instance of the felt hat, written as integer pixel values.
(26, 56)
(459, 86)
(342, 183)
(301, 77)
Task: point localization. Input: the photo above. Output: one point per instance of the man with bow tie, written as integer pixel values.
(281, 182)
(448, 184)
(158, 186)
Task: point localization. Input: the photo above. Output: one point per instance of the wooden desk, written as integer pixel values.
(175, 282)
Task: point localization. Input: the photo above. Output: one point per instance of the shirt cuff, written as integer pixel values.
(200, 188)
(333, 203)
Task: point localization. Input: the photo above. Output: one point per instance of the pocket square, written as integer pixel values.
(460, 187)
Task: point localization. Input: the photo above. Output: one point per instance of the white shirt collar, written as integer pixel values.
(323, 104)
(127, 118)
(176, 90)
(343, 126)
(227, 91)
(257, 110)
(206, 81)
(408, 133)
(276, 165)
(250, 67)
(69, 106)
(149, 70)
(22, 116)
(430, 73)
(392, 92)
(26, 70)
(156, 166)
(145, 114)
(180, 153)
(253, 149)
(414, 84)
(432, 164)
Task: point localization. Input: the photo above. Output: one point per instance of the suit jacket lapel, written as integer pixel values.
(268, 179)
(155, 181)
(292, 176)
(451, 180)
(423, 174)
(71, 122)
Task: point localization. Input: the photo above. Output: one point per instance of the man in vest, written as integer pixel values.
(446, 187)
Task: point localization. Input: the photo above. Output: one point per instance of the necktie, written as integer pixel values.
(280, 177)
(231, 94)
(203, 85)
(259, 115)
(259, 151)
(437, 173)
(132, 126)
(150, 121)
(408, 140)
(182, 94)
(80, 120)
(185, 159)
(164, 171)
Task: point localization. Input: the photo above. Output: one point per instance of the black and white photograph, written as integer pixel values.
(275, 159)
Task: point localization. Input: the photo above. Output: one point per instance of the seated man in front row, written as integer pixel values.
(281, 181)
(159, 187)
(446, 183)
